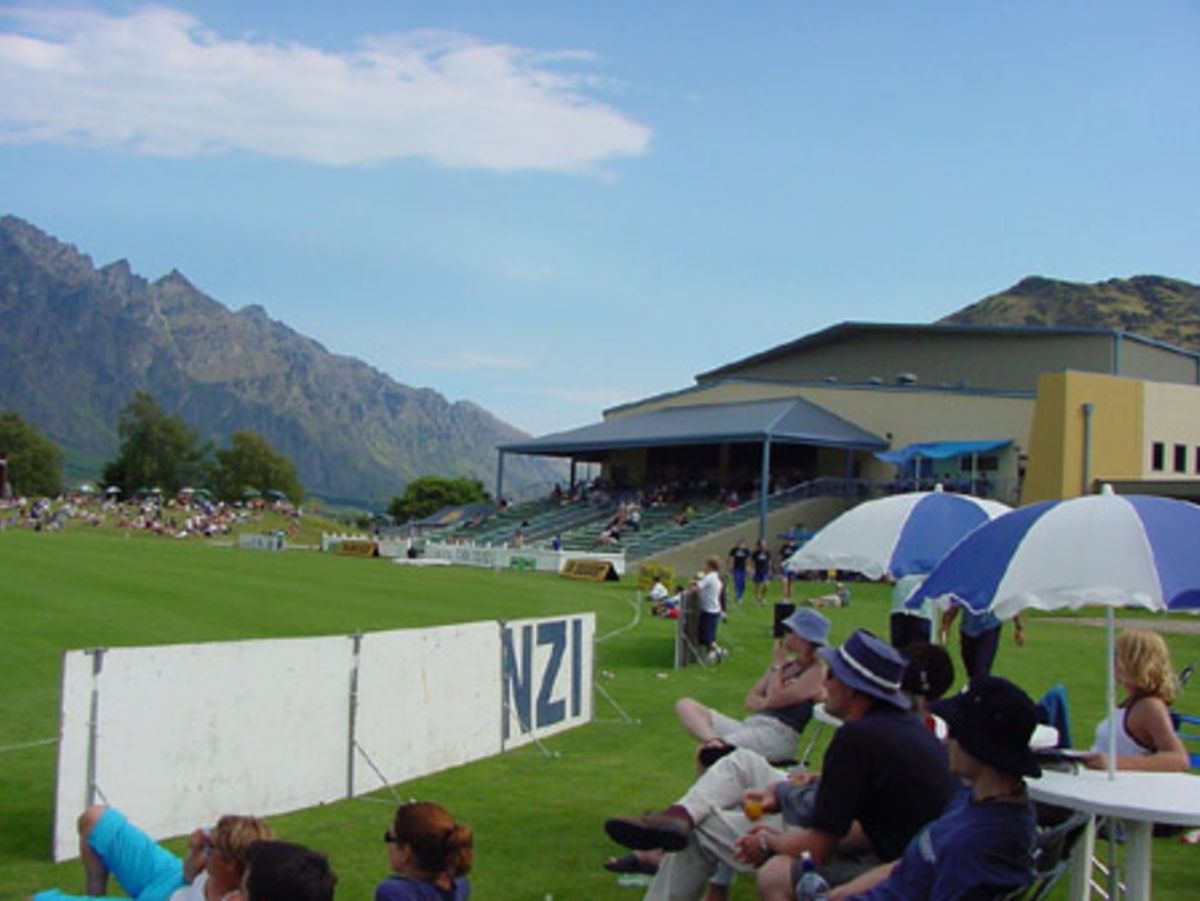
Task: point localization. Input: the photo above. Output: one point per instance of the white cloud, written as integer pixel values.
(467, 361)
(156, 82)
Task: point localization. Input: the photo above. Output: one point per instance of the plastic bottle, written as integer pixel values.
(810, 886)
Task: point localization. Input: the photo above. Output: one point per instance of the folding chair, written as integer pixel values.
(1051, 857)
(1187, 727)
(1052, 710)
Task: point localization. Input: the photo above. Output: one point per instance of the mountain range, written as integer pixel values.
(77, 341)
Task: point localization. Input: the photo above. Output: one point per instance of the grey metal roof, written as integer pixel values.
(849, 329)
(787, 421)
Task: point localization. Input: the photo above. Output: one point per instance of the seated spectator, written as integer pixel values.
(281, 871)
(430, 853)
(839, 598)
(146, 871)
(668, 607)
(928, 676)
(980, 847)
(884, 774)
(1146, 738)
(781, 701)
(658, 591)
(611, 535)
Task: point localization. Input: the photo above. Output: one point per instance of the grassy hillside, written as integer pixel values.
(537, 818)
(1163, 308)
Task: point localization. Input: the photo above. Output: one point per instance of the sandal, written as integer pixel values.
(630, 863)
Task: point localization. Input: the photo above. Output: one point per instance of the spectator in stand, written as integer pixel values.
(430, 855)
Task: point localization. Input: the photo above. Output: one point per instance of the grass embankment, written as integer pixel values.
(537, 818)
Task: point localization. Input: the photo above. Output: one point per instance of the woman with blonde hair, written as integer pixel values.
(430, 853)
(213, 869)
(1146, 738)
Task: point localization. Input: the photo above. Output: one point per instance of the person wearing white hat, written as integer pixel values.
(781, 701)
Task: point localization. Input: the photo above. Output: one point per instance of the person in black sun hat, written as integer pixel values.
(982, 845)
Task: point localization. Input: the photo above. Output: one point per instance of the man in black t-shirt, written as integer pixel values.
(884, 770)
(739, 556)
(761, 559)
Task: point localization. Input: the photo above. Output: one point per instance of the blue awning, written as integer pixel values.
(940, 450)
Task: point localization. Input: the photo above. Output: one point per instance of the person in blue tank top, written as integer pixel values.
(430, 854)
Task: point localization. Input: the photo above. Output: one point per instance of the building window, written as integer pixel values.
(1181, 458)
(1198, 460)
(1158, 456)
(983, 463)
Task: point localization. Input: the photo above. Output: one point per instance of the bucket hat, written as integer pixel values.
(870, 666)
(809, 625)
(993, 720)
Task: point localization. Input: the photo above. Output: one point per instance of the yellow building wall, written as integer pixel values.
(1056, 446)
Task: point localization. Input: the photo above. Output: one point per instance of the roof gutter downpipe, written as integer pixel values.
(1088, 409)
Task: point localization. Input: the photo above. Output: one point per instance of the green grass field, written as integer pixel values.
(537, 818)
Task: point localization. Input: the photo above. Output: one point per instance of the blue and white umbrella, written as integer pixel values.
(905, 534)
(1099, 550)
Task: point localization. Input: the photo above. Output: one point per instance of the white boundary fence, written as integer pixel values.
(504, 557)
(501, 556)
(177, 735)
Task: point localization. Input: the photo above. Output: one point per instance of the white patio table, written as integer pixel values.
(1139, 800)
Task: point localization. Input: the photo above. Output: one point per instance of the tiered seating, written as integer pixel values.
(543, 518)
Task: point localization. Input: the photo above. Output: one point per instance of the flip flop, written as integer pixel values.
(630, 863)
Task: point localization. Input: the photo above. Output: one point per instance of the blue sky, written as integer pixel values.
(548, 208)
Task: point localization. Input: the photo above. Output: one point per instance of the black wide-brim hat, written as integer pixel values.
(993, 720)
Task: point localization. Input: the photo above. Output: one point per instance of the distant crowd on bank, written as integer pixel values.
(187, 515)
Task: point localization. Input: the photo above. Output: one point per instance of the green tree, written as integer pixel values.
(429, 494)
(34, 462)
(157, 450)
(250, 464)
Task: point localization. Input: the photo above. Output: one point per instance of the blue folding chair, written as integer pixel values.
(1187, 727)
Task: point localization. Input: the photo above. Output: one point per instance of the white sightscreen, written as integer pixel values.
(547, 676)
(186, 732)
(428, 699)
